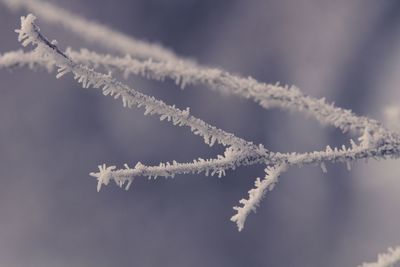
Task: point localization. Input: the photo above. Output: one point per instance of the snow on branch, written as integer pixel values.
(256, 194)
(388, 259)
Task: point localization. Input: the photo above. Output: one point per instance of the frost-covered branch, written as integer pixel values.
(388, 259)
(30, 34)
(256, 194)
(331, 155)
(20, 58)
(234, 158)
(266, 94)
(230, 160)
(187, 72)
(375, 142)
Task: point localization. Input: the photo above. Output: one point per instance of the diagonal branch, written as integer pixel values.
(29, 33)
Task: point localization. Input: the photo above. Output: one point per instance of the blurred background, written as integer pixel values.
(53, 134)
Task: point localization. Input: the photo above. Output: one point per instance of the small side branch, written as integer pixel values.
(257, 194)
(230, 160)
